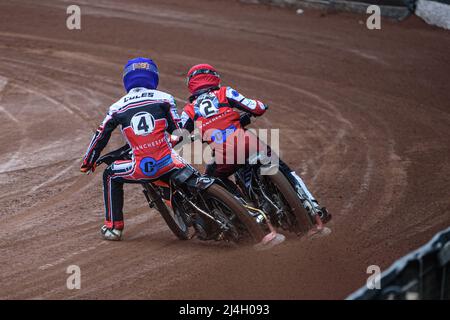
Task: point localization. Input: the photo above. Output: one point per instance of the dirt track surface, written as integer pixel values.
(364, 118)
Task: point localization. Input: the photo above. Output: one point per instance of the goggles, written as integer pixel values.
(139, 66)
(202, 71)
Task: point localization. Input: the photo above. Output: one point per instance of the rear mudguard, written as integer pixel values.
(200, 183)
(192, 179)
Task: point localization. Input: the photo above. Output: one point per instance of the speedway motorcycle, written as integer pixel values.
(198, 201)
(266, 187)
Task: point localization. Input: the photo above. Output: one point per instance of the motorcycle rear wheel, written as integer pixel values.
(172, 217)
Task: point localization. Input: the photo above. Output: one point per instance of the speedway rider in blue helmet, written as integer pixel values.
(146, 117)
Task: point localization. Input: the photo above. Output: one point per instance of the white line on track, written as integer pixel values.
(70, 255)
(15, 156)
(54, 177)
(3, 82)
(46, 97)
(8, 114)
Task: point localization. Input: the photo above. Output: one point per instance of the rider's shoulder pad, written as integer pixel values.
(233, 94)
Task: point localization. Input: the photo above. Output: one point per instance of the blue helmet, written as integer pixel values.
(140, 72)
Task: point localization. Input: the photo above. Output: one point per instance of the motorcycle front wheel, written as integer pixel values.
(282, 193)
(221, 200)
(172, 216)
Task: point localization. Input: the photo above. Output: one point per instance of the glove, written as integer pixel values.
(88, 168)
(174, 140)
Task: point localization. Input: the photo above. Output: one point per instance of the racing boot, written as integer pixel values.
(322, 212)
(111, 233)
(324, 215)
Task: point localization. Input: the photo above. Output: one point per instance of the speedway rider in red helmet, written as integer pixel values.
(146, 117)
(214, 110)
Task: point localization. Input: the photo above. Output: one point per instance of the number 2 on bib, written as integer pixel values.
(207, 108)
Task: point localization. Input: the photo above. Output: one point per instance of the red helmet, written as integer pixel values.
(202, 76)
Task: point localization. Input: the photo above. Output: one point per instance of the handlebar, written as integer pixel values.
(123, 153)
(244, 119)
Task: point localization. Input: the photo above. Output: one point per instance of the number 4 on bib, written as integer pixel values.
(142, 123)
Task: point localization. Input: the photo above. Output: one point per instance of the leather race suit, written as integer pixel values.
(215, 112)
(146, 118)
